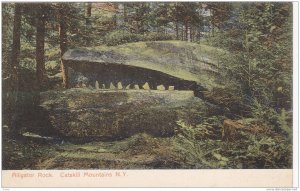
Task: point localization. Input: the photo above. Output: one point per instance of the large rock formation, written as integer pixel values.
(84, 115)
(86, 67)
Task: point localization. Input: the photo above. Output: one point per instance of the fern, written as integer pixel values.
(282, 120)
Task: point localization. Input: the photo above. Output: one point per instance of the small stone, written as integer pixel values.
(146, 86)
(91, 87)
(103, 86)
(161, 87)
(84, 85)
(119, 85)
(111, 86)
(136, 87)
(97, 85)
(171, 88)
(128, 87)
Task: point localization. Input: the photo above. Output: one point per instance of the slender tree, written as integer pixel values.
(40, 44)
(63, 41)
(15, 59)
(88, 22)
(16, 46)
(125, 12)
(220, 12)
(88, 14)
(6, 34)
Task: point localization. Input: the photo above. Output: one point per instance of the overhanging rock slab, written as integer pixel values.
(86, 67)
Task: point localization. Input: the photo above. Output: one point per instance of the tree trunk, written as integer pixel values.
(63, 45)
(191, 33)
(6, 22)
(40, 45)
(199, 35)
(125, 12)
(89, 10)
(16, 46)
(15, 59)
(176, 25)
(212, 23)
(141, 27)
(182, 32)
(186, 31)
(88, 23)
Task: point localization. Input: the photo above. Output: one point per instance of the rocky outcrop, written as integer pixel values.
(85, 115)
(86, 68)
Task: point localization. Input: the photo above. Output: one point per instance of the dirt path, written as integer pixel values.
(140, 151)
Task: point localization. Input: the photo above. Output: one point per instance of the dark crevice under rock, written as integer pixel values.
(82, 72)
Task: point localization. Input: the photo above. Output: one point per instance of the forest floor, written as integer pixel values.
(140, 151)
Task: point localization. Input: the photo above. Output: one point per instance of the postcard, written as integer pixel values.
(149, 94)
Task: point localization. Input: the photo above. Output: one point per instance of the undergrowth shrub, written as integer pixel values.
(200, 146)
(118, 37)
(121, 37)
(154, 36)
(230, 98)
(280, 121)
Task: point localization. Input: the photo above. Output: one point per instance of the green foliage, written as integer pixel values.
(141, 143)
(278, 120)
(266, 152)
(118, 37)
(230, 98)
(121, 37)
(188, 147)
(283, 124)
(154, 36)
(52, 67)
(232, 41)
(198, 147)
(6, 37)
(260, 62)
(28, 63)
